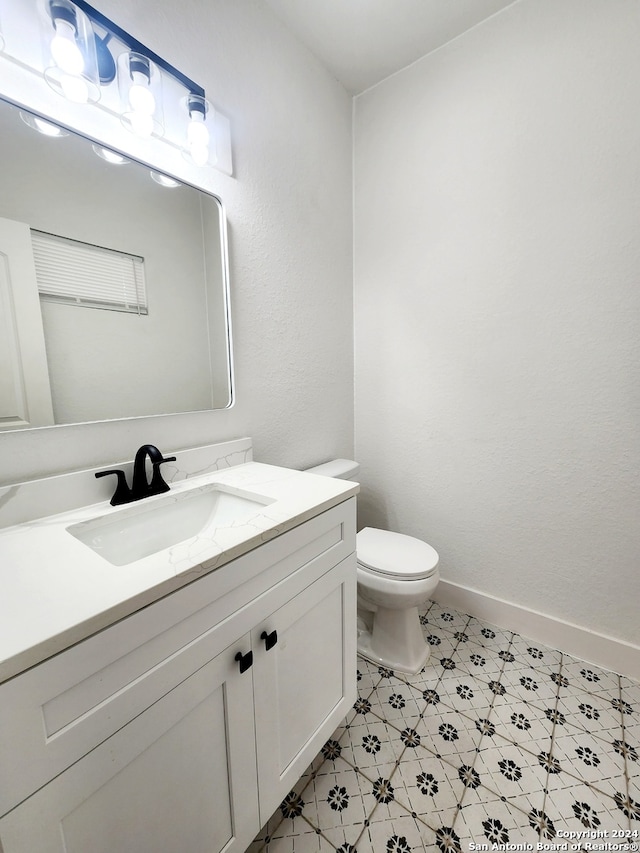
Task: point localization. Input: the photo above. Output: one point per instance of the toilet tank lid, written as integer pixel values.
(341, 469)
(395, 554)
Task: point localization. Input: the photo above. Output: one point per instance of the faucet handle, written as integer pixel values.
(122, 494)
(158, 484)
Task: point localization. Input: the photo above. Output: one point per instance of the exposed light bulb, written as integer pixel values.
(198, 137)
(71, 67)
(141, 101)
(64, 49)
(199, 154)
(197, 131)
(140, 95)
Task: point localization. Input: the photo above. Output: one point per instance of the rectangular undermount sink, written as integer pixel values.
(156, 524)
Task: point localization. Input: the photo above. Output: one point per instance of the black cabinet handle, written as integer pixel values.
(245, 661)
(269, 639)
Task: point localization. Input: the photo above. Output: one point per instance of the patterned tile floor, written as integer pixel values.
(498, 741)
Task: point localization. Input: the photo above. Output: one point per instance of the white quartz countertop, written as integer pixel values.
(56, 591)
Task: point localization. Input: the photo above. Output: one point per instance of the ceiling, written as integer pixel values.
(363, 41)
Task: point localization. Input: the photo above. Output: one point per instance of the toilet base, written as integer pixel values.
(395, 640)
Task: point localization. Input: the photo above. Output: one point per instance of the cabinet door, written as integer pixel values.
(179, 777)
(305, 683)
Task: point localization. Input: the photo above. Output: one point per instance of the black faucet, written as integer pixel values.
(140, 486)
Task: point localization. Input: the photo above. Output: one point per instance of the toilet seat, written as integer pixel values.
(395, 555)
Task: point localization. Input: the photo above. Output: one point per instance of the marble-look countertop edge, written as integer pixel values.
(31, 656)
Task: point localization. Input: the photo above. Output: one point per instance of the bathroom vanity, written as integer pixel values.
(180, 716)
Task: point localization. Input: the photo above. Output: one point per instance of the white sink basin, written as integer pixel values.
(155, 524)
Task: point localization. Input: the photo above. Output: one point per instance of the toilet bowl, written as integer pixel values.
(396, 575)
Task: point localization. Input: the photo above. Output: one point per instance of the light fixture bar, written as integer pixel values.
(137, 47)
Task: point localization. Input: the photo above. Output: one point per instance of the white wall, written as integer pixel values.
(289, 215)
(497, 250)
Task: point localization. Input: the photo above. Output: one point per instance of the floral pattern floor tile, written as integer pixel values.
(598, 715)
(599, 763)
(590, 678)
(538, 686)
(298, 837)
(478, 661)
(451, 735)
(498, 740)
(575, 806)
(486, 817)
(487, 635)
(393, 829)
(461, 692)
(394, 701)
(429, 787)
(338, 802)
(371, 746)
(537, 655)
(522, 723)
(517, 776)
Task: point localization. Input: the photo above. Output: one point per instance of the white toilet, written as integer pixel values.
(397, 574)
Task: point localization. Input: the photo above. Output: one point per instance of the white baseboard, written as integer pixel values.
(575, 640)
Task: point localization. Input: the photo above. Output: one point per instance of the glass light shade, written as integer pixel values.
(140, 87)
(71, 65)
(199, 141)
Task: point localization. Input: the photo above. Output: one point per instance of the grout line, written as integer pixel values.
(627, 777)
(545, 790)
(465, 790)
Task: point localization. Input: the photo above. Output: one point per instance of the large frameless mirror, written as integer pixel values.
(113, 284)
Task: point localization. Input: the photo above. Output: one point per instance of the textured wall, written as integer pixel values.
(289, 214)
(497, 249)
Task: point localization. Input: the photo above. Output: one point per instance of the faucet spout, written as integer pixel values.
(141, 487)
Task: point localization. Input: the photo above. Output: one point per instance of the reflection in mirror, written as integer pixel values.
(113, 287)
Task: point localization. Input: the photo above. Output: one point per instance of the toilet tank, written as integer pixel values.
(341, 469)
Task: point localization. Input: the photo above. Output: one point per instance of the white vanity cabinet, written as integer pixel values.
(148, 736)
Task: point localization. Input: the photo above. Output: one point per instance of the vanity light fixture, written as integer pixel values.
(86, 58)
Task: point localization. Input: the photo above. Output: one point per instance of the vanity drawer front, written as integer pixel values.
(53, 714)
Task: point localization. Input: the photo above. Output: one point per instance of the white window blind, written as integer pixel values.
(91, 276)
